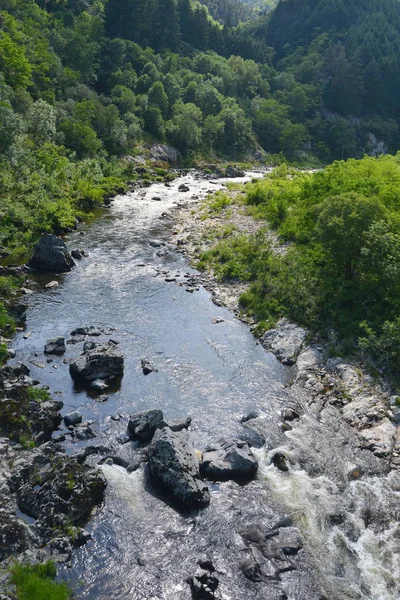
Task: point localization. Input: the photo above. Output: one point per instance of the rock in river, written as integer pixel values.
(103, 362)
(174, 468)
(50, 255)
(229, 460)
(55, 346)
(142, 425)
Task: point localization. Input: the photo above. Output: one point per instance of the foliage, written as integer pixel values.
(342, 267)
(38, 394)
(36, 582)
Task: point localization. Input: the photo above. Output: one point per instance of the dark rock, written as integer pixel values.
(205, 562)
(156, 199)
(55, 346)
(174, 468)
(89, 345)
(77, 254)
(280, 461)
(203, 585)
(142, 425)
(147, 367)
(103, 362)
(72, 419)
(230, 460)
(93, 331)
(251, 415)
(155, 244)
(234, 172)
(289, 414)
(13, 532)
(179, 424)
(50, 255)
(183, 188)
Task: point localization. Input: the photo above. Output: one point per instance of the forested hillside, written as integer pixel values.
(85, 83)
(233, 12)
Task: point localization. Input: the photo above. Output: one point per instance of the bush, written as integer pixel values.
(35, 582)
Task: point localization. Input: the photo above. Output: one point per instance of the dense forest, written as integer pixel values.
(84, 83)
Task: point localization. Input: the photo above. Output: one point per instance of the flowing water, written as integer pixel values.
(142, 548)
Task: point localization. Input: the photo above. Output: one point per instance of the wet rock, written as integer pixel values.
(103, 362)
(50, 255)
(289, 414)
(99, 385)
(234, 172)
(203, 585)
(156, 199)
(77, 254)
(72, 419)
(142, 425)
(285, 341)
(229, 460)
(13, 532)
(81, 331)
(147, 367)
(64, 492)
(174, 468)
(280, 461)
(51, 285)
(179, 424)
(89, 345)
(183, 188)
(21, 417)
(155, 244)
(55, 346)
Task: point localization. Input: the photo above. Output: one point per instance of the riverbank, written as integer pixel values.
(364, 402)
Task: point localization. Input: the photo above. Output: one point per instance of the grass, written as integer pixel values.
(36, 582)
(38, 394)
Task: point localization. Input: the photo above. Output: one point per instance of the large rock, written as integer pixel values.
(142, 425)
(164, 153)
(174, 468)
(285, 341)
(229, 460)
(102, 362)
(50, 255)
(234, 172)
(55, 346)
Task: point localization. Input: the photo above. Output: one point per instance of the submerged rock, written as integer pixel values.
(103, 362)
(55, 346)
(50, 255)
(142, 425)
(229, 460)
(174, 468)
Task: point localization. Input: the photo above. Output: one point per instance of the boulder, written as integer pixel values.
(164, 153)
(50, 255)
(77, 254)
(229, 460)
(285, 341)
(183, 188)
(99, 385)
(55, 346)
(72, 419)
(234, 172)
(103, 362)
(174, 468)
(179, 424)
(147, 367)
(203, 584)
(142, 425)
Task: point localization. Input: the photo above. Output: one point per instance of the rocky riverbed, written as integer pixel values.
(186, 460)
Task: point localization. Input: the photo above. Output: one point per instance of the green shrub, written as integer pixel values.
(38, 394)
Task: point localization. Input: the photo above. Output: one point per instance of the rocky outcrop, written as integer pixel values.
(234, 172)
(285, 341)
(50, 255)
(102, 362)
(205, 582)
(174, 468)
(142, 425)
(230, 459)
(55, 346)
(163, 153)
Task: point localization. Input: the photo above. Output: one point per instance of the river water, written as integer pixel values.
(210, 368)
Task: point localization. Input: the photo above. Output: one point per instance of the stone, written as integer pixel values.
(72, 419)
(179, 424)
(77, 254)
(55, 346)
(183, 188)
(285, 341)
(234, 172)
(231, 459)
(203, 584)
(147, 367)
(280, 461)
(142, 425)
(174, 468)
(50, 255)
(103, 362)
(99, 385)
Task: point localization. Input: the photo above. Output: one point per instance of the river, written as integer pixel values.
(211, 368)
